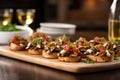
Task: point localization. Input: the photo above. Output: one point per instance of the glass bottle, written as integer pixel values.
(114, 21)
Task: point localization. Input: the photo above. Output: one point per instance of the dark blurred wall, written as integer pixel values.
(17, 4)
(87, 14)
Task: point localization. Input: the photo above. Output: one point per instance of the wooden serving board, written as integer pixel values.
(77, 67)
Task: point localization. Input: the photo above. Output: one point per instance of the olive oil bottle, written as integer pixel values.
(114, 30)
(114, 21)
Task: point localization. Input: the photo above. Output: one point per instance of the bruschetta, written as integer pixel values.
(115, 46)
(101, 53)
(51, 50)
(17, 43)
(97, 40)
(69, 53)
(82, 44)
(36, 43)
(63, 39)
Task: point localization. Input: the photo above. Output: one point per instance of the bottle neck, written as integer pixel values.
(115, 10)
(113, 6)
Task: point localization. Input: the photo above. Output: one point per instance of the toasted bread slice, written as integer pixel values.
(16, 47)
(100, 59)
(52, 55)
(69, 59)
(35, 51)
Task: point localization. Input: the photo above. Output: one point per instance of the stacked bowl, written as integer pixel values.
(57, 29)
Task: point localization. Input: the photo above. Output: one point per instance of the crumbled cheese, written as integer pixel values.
(63, 51)
(41, 37)
(97, 53)
(91, 41)
(38, 46)
(28, 45)
(105, 44)
(107, 53)
(60, 40)
(52, 48)
(21, 44)
(89, 50)
(85, 52)
(114, 46)
(58, 46)
(53, 42)
(44, 42)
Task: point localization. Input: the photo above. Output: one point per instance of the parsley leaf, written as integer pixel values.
(116, 58)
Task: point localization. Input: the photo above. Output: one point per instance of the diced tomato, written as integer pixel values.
(102, 47)
(97, 47)
(43, 35)
(102, 51)
(34, 43)
(48, 47)
(81, 39)
(34, 36)
(104, 41)
(63, 40)
(75, 50)
(72, 43)
(96, 39)
(38, 33)
(17, 42)
(42, 46)
(111, 43)
(67, 48)
(79, 46)
(13, 39)
(85, 43)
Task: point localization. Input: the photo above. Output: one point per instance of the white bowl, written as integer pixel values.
(57, 25)
(57, 29)
(5, 36)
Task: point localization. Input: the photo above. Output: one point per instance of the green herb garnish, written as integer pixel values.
(117, 42)
(101, 38)
(87, 61)
(36, 40)
(9, 27)
(52, 49)
(19, 37)
(116, 58)
(65, 37)
(72, 46)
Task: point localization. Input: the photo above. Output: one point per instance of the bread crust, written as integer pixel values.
(35, 51)
(69, 59)
(118, 54)
(52, 55)
(16, 47)
(100, 59)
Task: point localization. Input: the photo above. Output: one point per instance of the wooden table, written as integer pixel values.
(11, 69)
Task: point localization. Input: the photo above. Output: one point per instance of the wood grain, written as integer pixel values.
(78, 67)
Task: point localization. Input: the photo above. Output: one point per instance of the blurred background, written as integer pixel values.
(86, 14)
